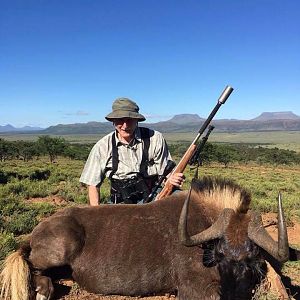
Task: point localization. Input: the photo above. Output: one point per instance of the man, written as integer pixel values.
(132, 157)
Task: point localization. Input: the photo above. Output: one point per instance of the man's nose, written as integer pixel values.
(125, 124)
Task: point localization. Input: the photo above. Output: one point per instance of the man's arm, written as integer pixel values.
(94, 195)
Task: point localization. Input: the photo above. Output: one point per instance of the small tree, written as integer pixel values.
(26, 150)
(207, 155)
(52, 146)
(225, 154)
(77, 151)
(4, 148)
(7, 150)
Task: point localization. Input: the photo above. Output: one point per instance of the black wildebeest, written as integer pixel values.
(141, 249)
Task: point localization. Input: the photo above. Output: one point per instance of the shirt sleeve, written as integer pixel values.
(94, 170)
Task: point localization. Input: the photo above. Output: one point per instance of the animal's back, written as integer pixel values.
(125, 249)
(135, 249)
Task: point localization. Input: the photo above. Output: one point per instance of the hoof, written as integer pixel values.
(41, 297)
(44, 287)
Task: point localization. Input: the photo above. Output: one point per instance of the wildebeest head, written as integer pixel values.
(234, 240)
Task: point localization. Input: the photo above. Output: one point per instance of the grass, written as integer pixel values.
(264, 183)
(281, 139)
(292, 269)
(19, 215)
(289, 140)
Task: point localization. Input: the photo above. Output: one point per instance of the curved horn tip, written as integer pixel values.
(279, 197)
(283, 243)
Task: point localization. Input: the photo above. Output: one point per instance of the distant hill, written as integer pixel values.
(283, 115)
(250, 125)
(267, 121)
(291, 122)
(10, 128)
(7, 128)
(186, 118)
(79, 128)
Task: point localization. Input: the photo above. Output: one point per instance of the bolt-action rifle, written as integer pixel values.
(168, 187)
(169, 167)
(195, 159)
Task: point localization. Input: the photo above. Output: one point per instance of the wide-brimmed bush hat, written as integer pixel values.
(125, 108)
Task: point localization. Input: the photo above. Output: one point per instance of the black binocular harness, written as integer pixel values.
(138, 187)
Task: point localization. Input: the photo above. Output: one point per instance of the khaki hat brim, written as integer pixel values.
(119, 114)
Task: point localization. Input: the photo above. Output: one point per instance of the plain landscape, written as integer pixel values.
(69, 65)
(34, 189)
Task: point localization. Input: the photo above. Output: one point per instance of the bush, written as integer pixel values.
(8, 243)
(10, 205)
(43, 209)
(40, 175)
(17, 187)
(22, 223)
(3, 178)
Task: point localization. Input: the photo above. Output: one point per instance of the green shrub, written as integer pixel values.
(8, 243)
(43, 209)
(11, 205)
(40, 175)
(81, 199)
(22, 223)
(3, 177)
(17, 187)
(38, 189)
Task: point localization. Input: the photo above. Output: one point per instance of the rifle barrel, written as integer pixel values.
(222, 99)
(194, 159)
(168, 187)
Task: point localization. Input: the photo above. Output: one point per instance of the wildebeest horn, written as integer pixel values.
(258, 234)
(216, 230)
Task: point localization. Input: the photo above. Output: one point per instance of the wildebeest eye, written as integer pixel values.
(252, 249)
(222, 247)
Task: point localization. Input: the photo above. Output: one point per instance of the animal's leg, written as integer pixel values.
(188, 292)
(54, 243)
(43, 286)
(197, 283)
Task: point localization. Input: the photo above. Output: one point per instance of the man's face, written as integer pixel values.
(125, 128)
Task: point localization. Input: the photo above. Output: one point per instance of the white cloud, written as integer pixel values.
(159, 117)
(78, 113)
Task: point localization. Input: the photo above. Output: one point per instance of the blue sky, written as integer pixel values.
(64, 61)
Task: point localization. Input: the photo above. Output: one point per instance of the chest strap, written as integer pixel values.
(145, 135)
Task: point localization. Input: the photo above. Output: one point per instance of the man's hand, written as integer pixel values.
(177, 179)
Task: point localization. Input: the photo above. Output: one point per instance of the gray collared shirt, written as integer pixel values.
(99, 163)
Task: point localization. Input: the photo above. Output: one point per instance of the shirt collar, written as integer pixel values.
(137, 138)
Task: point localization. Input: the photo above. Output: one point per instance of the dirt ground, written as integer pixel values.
(269, 221)
(83, 295)
(68, 290)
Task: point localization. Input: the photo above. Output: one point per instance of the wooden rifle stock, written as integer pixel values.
(168, 187)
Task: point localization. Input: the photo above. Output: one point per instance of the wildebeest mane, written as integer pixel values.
(222, 193)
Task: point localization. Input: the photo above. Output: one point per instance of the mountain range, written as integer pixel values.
(9, 128)
(267, 121)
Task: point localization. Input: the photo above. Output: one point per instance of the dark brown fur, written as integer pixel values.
(125, 249)
(135, 249)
